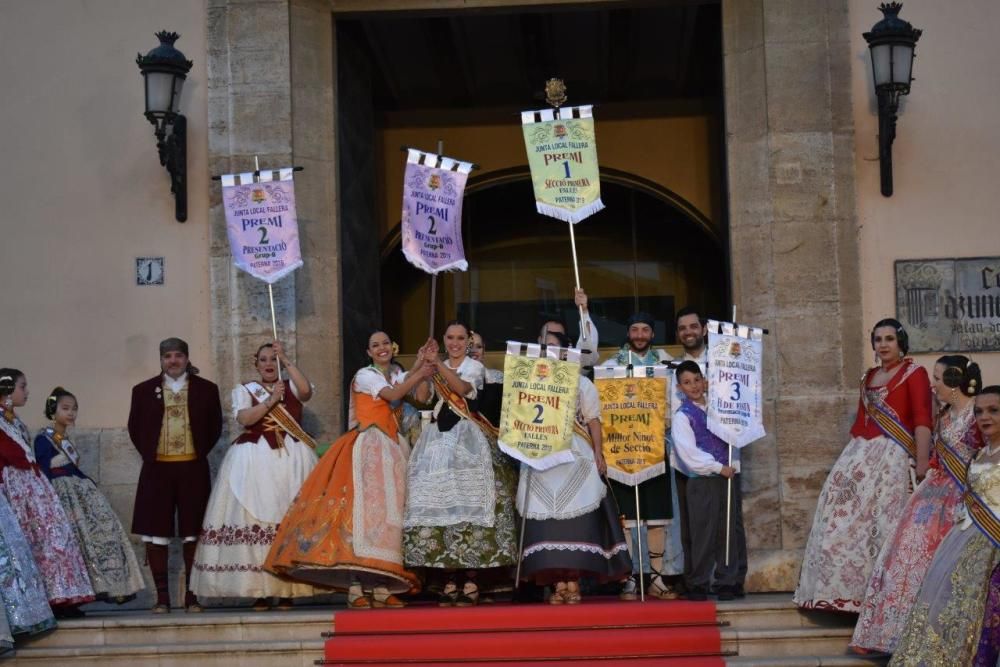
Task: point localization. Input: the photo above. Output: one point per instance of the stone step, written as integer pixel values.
(762, 629)
(806, 661)
(780, 642)
(773, 610)
(130, 628)
(198, 654)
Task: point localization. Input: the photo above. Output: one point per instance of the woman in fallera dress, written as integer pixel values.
(345, 528)
(111, 562)
(953, 620)
(929, 513)
(460, 524)
(260, 475)
(44, 522)
(572, 528)
(867, 489)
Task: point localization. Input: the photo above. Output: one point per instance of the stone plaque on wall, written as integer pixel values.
(950, 305)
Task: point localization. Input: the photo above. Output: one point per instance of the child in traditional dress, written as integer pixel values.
(111, 562)
(45, 524)
(706, 458)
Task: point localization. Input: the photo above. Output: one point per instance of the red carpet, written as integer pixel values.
(603, 632)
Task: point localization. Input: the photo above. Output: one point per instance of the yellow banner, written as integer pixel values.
(539, 404)
(633, 421)
(562, 156)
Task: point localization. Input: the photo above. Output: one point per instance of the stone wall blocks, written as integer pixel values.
(764, 505)
(773, 570)
(270, 114)
(845, 183)
(794, 21)
(814, 429)
(798, 87)
(808, 356)
(88, 444)
(803, 273)
(746, 94)
(119, 460)
(245, 22)
(749, 183)
(255, 66)
(742, 25)
(800, 488)
(802, 172)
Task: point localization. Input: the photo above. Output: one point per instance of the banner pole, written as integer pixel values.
(729, 484)
(270, 288)
(524, 520)
(576, 271)
(434, 277)
(638, 535)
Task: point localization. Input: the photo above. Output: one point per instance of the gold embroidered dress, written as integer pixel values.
(945, 624)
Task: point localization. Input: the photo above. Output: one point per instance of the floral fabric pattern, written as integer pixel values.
(906, 555)
(50, 534)
(859, 506)
(467, 545)
(111, 562)
(21, 588)
(945, 625)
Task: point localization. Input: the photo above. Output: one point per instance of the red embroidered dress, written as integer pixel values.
(43, 520)
(864, 495)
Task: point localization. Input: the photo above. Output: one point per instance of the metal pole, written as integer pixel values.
(270, 287)
(576, 271)
(440, 149)
(729, 485)
(729, 504)
(524, 519)
(638, 535)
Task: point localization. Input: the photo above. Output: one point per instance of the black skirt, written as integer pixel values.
(592, 544)
(654, 498)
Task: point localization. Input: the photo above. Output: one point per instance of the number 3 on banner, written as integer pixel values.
(538, 415)
(736, 392)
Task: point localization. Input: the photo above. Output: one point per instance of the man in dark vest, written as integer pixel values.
(174, 422)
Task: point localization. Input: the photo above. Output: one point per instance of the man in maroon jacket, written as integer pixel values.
(174, 422)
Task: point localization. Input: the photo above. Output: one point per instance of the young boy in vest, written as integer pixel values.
(704, 458)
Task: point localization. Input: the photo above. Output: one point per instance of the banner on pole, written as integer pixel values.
(633, 421)
(735, 371)
(539, 403)
(261, 223)
(562, 155)
(433, 187)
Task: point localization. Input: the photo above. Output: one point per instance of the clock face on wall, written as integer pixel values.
(148, 270)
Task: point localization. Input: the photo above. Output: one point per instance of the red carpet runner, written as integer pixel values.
(597, 632)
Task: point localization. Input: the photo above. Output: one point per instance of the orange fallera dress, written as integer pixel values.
(346, 524)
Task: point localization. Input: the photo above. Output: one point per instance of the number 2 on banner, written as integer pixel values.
(538, 415)
(263, 235)
(431, 229)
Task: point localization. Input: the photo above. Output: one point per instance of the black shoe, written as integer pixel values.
(695, 595)
(739, 592)
(726, 594)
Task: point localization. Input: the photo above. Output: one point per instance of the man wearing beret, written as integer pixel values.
(174, 422)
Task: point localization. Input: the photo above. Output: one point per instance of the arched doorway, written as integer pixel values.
(648, 250)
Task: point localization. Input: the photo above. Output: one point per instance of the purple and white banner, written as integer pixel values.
(735, 386)
(261, 223)
(433, 187)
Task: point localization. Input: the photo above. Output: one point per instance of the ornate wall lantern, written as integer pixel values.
(163, 71)
(891, 42)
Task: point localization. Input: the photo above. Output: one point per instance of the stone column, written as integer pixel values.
(271, 95)
(795, 266)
